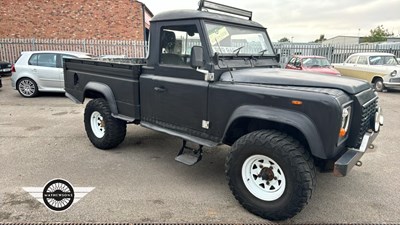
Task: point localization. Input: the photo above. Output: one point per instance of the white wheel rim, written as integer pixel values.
(26, 87)
(263, 177)
(97, 124)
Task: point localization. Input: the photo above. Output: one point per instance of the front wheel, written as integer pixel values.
(378, 85)
(104, 131)
(270, 174)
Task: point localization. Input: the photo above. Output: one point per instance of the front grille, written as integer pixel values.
(367, 119)
(395, 80)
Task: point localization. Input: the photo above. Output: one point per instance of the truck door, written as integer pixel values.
(178, 93)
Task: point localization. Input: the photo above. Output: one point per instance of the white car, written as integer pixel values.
(380, 69)
(41, 71)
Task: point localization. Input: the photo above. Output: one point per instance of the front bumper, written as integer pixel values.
(350, 158)
(394, 85)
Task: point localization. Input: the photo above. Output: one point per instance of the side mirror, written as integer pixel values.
(297, 64)
(196, 57)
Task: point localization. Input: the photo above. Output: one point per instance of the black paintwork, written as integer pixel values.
(176, 15)
(253, 95)
(5, 65)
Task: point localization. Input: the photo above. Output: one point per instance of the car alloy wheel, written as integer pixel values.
(27, 88)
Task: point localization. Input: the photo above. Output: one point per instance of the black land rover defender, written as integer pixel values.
(214, 79)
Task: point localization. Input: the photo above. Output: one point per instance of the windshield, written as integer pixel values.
(316, 62)
(231, 40)
(382, 60)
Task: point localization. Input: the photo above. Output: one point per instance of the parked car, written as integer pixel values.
(5, 68)
(380, 69)
(315, 64)
(41, 71)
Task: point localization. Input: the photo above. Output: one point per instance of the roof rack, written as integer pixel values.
(205, 4)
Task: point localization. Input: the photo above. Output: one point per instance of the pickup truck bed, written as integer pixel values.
(122, 79)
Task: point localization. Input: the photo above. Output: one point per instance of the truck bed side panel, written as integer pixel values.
(123, 79)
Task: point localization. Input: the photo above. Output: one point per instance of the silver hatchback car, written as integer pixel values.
(41, 71)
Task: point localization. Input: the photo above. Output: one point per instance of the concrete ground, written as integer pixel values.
(43, 138)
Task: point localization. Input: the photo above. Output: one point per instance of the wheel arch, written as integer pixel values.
(100, 90)
(247, 119)
(28, 76)
(375, 77)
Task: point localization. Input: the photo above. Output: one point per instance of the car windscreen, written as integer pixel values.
(231, 40)
(315, 62)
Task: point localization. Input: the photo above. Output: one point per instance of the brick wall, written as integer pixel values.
(72, 19)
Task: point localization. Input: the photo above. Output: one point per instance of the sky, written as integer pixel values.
(306, 20)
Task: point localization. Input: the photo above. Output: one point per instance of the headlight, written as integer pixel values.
(346, 112)
(394, 73)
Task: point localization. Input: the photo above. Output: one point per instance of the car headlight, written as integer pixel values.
(394, 73)
(346, 112)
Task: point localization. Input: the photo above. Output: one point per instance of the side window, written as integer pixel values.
(47, 60)
(362, 60)
(297, 62)
(176, 44)
(66, 57)
(292, 60)
(33, 60)
(352, 59)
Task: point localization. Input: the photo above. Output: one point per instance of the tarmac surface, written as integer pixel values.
(44, 138)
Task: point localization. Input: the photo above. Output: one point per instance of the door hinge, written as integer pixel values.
(205, 124)
(209, 77)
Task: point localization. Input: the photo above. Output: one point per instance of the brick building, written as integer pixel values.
(74, 19)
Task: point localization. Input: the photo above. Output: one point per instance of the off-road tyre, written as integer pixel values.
(114, 129)
(293, 159)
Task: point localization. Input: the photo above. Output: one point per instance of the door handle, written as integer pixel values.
(160, 89)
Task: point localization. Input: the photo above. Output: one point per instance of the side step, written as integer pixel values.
(190, 156)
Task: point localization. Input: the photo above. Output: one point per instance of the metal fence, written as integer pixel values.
(335, 53)
(10, 48)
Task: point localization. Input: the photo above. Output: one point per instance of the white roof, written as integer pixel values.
(374, 53)
(77, 54)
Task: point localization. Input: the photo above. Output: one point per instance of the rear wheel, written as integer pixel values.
(104, 131)
(270, 174)
(27, 87)
(378, 84)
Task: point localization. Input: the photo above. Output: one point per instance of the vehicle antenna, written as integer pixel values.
(229, 69)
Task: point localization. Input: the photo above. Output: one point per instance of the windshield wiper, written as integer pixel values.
(263, 51)
(238, 50)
